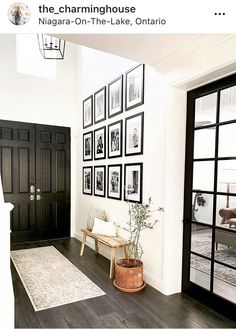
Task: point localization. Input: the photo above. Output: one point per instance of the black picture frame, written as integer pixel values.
(100, 105)
(134, 87)
(133, 190)
(115, 97)
(134, 134)
(88, 112)
(99, 181)
(87, 181)
(115, 143)
(114, 188)
(99, 142)
(88, 148)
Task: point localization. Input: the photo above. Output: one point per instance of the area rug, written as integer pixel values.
(202, 241)
(50, 279)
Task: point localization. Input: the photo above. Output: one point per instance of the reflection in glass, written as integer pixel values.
(200, 271)
(203, 175)
(226, 176)
(201, 240)
(225, 282)
(202, 207)
(205, 110)
(226, 211)
(204, 143)
(227, 138)
(228, 104)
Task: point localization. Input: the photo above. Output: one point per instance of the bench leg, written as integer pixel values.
(112, 263)
(83, 244)
(96, 247)
(126, 252)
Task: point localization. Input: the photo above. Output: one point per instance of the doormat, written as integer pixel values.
(50, 279)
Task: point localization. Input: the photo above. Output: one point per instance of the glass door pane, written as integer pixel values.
(225, 282)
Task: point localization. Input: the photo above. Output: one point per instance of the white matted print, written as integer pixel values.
(88, 112)
(87, 180)
(115, 139)
(134, 93)
(100, 105)
(100, 143)
(114, 183)
(99, 180)
(115, 97)
(133, 182)
(134, 130)
(88, 146)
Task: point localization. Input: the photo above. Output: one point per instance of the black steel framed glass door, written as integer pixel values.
(209, 254)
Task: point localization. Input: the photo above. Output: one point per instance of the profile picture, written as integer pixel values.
(19, 13)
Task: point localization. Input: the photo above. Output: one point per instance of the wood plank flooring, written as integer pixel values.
(146, 309)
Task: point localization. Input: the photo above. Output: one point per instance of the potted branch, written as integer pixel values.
(129, 271)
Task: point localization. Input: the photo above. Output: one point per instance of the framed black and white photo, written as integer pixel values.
(100, 105)
(134, 91)
(115, 138)
(87, 180)
(133, 182)
(88, 112)
(134, 131)
(100, 143)
(88, 146)
(99, 180)
(115, 97)
(114, 182)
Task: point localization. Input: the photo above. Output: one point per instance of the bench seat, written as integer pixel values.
(112, 242)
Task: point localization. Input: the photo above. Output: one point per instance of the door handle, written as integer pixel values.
(38, 197)
(31, 197)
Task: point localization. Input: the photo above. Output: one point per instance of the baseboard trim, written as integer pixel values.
(151, 279)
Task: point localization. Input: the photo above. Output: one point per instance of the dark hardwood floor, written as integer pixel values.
(146, 309)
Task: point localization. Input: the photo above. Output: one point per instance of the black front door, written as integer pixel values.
(35, 170)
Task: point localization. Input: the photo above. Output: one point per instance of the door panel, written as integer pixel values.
(53, 181)
(35, 170)
(209, 255)
(17, 165)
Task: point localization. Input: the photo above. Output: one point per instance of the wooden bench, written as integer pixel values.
(112, 242)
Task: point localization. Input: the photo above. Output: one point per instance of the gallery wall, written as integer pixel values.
(96, 69)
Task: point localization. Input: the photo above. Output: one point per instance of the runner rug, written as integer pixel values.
(50, 279)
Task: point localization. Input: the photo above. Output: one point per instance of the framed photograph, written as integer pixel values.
(134, 130)
(115, 97)
(100, 105)
(134, 92)
(88, 112)
(114, 182)
(88, 146)
(115, 139)
(100, 143)
(133, 182)
(87, 180)
(99, 180)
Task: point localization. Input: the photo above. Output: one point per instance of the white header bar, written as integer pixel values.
(123, 16)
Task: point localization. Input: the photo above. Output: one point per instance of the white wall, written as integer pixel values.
(29, 98)
(96, 69)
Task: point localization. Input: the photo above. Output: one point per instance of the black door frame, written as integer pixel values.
(214, 301)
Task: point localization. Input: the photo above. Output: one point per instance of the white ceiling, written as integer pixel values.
(182, 58)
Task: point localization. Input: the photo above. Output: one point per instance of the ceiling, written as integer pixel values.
(182, 58)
